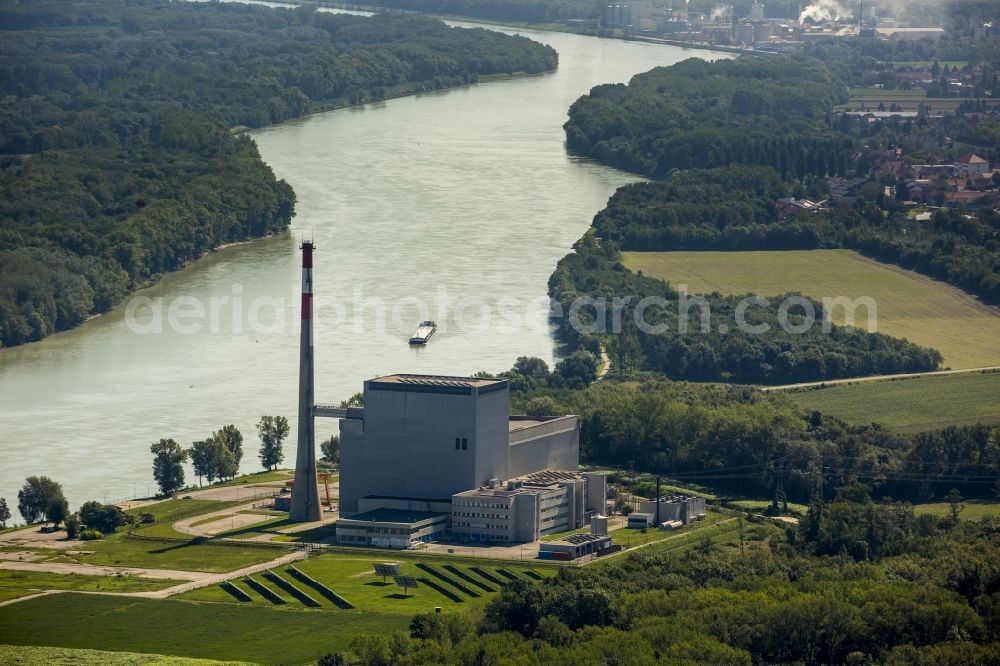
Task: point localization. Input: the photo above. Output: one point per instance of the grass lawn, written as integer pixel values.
(22, 655)
(250, 632)
(974, 509)
(175, 509)
(15, 584)
(911, 405)
(209, 623)
(909, 305)
(352, 576)
(183, 556)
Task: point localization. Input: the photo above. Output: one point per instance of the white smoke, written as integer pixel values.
(824, 10)
(719, 11)
(923, 12)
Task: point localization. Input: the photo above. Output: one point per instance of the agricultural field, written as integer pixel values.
(909, 305)
(910, 405)
(868, 99)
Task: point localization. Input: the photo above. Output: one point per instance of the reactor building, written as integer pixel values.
(431, 457)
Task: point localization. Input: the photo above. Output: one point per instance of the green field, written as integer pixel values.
(15, 584)
(910, 405)
(906, 100)
(211, 623)
(25, 655)
(352, 576)
(909, 305)
(250, 632)
(180, 555)
(973, 509)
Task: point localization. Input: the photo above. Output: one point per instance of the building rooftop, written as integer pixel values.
(438, 380)
(970, 158)
(394, 516)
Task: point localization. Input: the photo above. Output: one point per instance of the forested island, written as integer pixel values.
(118, 155)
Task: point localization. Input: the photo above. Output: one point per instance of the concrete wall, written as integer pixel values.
(552, 445)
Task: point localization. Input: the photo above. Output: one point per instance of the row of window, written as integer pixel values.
(480, 526)
(481, 505)
(471, 514)
(461, 444)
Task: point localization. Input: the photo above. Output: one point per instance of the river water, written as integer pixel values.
(453, 206)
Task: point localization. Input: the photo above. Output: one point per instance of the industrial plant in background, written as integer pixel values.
(673, 22)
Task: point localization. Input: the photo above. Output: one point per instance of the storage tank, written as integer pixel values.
(599, 525)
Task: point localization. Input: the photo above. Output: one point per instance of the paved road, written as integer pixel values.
(878, 378)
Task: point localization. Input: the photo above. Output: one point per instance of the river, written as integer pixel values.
(453, 206)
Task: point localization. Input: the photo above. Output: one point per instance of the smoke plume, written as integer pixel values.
(825, 10)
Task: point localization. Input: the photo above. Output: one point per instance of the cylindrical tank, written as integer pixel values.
(599, 525)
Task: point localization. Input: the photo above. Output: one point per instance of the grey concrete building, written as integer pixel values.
(448, 446)
(528, 507)
(427, 438)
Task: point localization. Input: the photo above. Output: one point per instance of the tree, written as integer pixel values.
(356, 400)
(955, 499)
(168, 465)
(578, 369)
(224, 465)
(201, 460)
(233, 439)
(57, 510)
(4, 513)
(105, 518)
(331, 450)
(34, 497)
(73, 526)
(272, 431)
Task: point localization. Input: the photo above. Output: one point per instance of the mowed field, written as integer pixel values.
(909, 305)
(288, 615)
(911, 405)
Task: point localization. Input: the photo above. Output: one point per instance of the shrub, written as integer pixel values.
(91, 535)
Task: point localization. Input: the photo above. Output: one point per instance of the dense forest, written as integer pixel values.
(734, 208)
(697, 114)
(117, 159)
(857, 583)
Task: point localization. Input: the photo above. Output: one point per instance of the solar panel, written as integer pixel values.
(386, 569)
(406, 582)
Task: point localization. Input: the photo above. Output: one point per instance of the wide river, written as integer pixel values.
(453, 206)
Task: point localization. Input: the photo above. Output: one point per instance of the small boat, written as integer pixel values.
(423, 333)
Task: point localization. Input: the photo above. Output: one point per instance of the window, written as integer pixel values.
(458, 444)
(465, 444)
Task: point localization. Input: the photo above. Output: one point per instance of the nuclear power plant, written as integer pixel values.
(437, 457)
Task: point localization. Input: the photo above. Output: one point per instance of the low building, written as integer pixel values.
(970, 164)
(575, 546)
(684, 508)
(529, 507)
(391, 528)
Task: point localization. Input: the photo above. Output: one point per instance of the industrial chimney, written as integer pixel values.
(305, 506)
